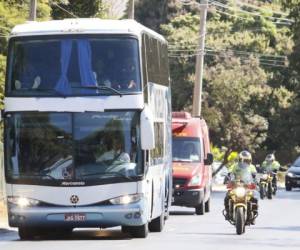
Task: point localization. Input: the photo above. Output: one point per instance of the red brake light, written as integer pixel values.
(252, 186)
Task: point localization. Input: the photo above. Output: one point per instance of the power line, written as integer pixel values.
(228, 56)
(63, 9)
(242, 60)
(221, 53)
(216, 3)
(247, 18)
(242, 52)
(260, 8)
(248, 52)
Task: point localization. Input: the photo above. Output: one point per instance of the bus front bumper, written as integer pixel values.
(83, 216)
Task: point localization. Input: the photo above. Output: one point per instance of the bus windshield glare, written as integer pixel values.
(89, 147)
(73, 66)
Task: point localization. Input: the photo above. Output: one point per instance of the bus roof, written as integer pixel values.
(83, 26)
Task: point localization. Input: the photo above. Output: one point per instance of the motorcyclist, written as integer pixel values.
(270, 164)
(245, 171)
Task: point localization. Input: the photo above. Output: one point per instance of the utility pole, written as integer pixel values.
(131, 9)
(197, 96)
(32, 13)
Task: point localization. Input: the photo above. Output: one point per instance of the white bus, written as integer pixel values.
(87, 127)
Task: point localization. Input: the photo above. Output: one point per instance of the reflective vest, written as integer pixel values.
(244, 174)
(275, 165)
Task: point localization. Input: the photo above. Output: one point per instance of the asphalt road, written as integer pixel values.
(277, 227)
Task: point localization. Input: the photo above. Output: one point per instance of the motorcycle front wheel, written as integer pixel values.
(270, 191)
(262, 191)
(240, 220)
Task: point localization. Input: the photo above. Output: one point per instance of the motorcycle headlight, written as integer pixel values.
(240, 192)
(23, 202)
(289, 174)
(195, 180)
(126, 199)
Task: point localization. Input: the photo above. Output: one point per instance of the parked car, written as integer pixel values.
(292, 177)
(192, 173)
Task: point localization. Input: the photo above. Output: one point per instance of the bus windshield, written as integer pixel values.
(186, 149)
(73, 66)
(45, 147)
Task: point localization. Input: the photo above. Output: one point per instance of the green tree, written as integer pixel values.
(79, 8)
(243, 44)
(154, 13)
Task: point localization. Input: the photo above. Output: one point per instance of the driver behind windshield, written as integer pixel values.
(190, 152)
(115, 152)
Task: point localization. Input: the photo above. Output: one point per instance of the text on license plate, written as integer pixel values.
(75, 217)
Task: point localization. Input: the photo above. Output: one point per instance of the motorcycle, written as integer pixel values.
(242, 211)
(266, 186)
(267, 182)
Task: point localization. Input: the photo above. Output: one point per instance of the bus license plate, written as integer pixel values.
(75, 217)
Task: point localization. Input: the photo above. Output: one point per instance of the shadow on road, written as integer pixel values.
(74, 236)
(99, 235)
(182, 212)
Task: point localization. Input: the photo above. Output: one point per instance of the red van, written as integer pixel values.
(192, 173)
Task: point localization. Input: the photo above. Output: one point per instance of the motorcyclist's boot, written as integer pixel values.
(274, 185)
(226, 210)
(255, 213)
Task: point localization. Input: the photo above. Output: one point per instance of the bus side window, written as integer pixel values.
(158, 152)
(144, 60)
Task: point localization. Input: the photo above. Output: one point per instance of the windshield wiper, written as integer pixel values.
(101, 87)
(35, 175)
(109, 173)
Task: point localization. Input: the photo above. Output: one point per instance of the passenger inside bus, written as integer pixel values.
(27, 77)
(101, 74)
(128, 75)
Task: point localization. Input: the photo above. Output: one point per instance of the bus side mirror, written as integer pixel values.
(147, 129)
(209, 159)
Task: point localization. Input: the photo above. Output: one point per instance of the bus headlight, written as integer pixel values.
(23, 202)
(240, 192)
(126, 199)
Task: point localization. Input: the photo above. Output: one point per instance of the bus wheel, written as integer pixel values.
(136, 231)
(157, 224)
(26, 233)
(200, 209)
